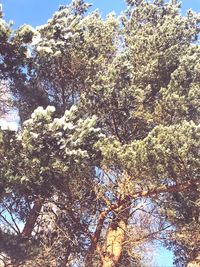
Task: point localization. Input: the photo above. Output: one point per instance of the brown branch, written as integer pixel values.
(144, 193)
(97, 233)
(101, 219)
(77, 221)
(32, 218)
(149, 236)
(11, 226)
(13, 220)
(9, 210)
(166, 189)
(115, 128)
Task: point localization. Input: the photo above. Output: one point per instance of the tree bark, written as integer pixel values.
(195, 262)
(116, 236)
(114, 244)
(32, 218)
(116, 233)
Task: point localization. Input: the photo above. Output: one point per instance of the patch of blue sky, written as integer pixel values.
(37, 12)
(163, 257)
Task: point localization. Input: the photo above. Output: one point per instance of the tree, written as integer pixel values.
(61, 56)
(115, 163)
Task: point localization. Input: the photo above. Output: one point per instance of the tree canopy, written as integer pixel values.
(106, 158)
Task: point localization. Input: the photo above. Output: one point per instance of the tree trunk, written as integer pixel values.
(116, 236)
(114, 244)
(32, 218)
(195, 262)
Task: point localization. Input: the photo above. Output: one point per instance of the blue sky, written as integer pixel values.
(37, 12)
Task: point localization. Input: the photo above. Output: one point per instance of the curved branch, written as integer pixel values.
(144, 193)
(32, 218)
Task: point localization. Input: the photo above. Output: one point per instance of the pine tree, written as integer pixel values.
(111, 155)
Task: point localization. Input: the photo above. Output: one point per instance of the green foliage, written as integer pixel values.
(51, 151)
(126, 118)
(63, 59)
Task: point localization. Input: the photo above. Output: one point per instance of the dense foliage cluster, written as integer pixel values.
(106, 158)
